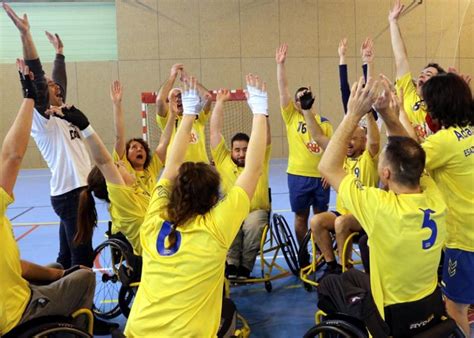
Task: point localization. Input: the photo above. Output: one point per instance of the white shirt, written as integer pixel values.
(64, 151)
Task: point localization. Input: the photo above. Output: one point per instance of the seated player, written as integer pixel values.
(405, 223)
(128, 195)
(23, 296)
(169, 104)
(412, 91)
(135, 153)
(188, 231)
(229, 165)
(361, 162)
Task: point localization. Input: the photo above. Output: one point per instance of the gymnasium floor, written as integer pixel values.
(288, 311)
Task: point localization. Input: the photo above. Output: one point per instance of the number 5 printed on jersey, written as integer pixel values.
(429, 223)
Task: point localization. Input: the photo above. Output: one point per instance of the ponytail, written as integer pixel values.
(86, 217)
(87, 213)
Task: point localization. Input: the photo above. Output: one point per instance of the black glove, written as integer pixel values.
(28, 86)
(307, 100)
(75, 117)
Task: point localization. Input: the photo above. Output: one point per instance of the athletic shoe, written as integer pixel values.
(331, 270)
(231, 271)
(243, 272)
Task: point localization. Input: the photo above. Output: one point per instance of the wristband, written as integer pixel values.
(88, 131)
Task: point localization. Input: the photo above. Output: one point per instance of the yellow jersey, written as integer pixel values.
(127, 209)
(406, 235)
(180, 293)
(197, 144)
(304, 153)
(414, 106)
(229, 172)
(15, 289)
(145, 179)
(364, 168)
(450, 160)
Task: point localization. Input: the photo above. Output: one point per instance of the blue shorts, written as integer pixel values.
(458, 276)
(306, 192)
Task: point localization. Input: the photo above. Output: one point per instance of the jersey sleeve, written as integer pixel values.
(435, 158)
(360, 200)
(288, 112)
(220, 153)
(227, 216)
(160, 199)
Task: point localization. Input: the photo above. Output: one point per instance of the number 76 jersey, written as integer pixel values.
(304, 153)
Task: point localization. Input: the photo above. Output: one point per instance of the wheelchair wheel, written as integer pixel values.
(125, 299)
(287, 243)
(335, 329)
(58, 329)
(109, 259)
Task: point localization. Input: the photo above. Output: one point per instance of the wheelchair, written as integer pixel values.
(340, 325)
(276, 237)
(118, 273)
(54, 326)
(316, 259)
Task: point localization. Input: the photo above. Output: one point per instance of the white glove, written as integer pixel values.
(191, 102)
(257, 100)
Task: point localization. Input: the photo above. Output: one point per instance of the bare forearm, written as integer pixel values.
(178, 148)
(37, 273)
(119, 125)
(373, 135)
(315, 129)
(399, 49)
(162, 98)
(333, 158)
(405, 122)
(99, 152)
(256, 148)
(165, 138)
(217, 121)
(393, 125)
(283, 85)
(29, 48)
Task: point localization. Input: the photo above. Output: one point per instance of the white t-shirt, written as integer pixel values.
(64, 151)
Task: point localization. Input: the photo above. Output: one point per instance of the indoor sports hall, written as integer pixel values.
(140, 136)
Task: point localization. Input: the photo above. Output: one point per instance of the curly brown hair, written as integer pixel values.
(195, 192)
(145, 146)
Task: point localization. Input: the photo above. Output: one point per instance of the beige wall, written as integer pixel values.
(221, 40)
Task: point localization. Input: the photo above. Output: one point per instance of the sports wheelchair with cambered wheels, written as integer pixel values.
(54, 326)
(311, 259)
(118, 273)
(276, 237)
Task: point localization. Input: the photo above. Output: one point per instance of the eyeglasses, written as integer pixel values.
(419, 104)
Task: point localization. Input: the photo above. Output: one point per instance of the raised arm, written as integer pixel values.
(367, 55)
(343, 78)
(402, 115)
(162, 97)
(165, 138)
(191, 101)
(217, 117)
(386, 106)
(100, 155)
(332, 162)
(59, 65)
(316, 132)
(258, 102)
(206, 97)
(398, 45)
(31, 57)
(16, 141)
(373, 136)
(280, 57)
(116, 94)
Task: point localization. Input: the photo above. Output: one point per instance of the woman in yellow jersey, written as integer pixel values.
(187, 231)
(450, 160)
(128, 197)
